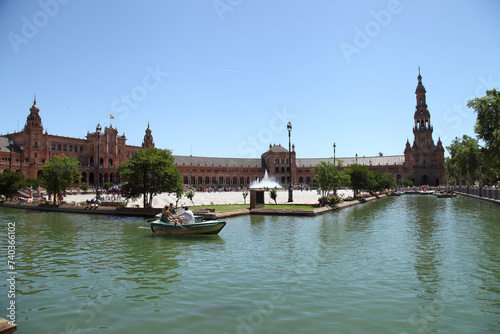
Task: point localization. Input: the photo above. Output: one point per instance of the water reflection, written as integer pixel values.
(403, 264)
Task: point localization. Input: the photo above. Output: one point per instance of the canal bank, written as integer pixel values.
(482, 198)
(151, 212)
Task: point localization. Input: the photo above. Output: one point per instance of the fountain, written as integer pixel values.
(257, 189)
(265, 182)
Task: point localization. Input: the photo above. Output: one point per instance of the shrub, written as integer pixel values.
(190, 195)
(331, 200)
(323, 201)
(273, 193)
(85, 186)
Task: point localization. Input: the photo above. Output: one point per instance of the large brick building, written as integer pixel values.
(101, 152)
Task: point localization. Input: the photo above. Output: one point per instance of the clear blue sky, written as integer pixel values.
(222, 78)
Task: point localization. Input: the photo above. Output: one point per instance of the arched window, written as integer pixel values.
(110, 163)
(65, 148)
(81, 149)
(277, 170)
(58, 147)
(70, 148)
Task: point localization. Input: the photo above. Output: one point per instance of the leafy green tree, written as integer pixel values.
(464, 151)
(361, 178)
(408, 183)
(85, 186)
(107, 185)
(59, 174)
(245, 195)
(190, 195)
(34, 183)
(11, 182)
(273, 193)
(329, 177)
(487, 125)
(150, 172)
(381, 181)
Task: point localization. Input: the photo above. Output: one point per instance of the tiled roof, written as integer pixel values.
(366, 161)
(4, 146)
(181, 160)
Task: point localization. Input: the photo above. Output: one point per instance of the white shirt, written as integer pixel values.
(188, 215)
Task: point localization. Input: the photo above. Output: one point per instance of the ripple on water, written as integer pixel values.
(381, 267)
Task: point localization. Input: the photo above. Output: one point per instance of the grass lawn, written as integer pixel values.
(222, 207)
(230, 207)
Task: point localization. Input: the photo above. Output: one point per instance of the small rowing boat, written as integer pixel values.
(203, 227)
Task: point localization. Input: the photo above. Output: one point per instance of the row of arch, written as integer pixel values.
(67, 147)
(101, 162)
(234, 180)
(422, 124)
(282, 170)
(91, 177)
(216, 181)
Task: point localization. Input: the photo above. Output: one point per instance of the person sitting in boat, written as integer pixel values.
(187, 217)
(169, 214)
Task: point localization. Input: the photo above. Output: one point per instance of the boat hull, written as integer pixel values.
(445, 195)
(206, 227)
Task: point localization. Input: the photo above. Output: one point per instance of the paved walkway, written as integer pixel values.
(232, 197)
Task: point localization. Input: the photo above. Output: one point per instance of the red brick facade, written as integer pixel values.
(32, 148)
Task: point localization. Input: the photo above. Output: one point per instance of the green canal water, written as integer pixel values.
(409, 264)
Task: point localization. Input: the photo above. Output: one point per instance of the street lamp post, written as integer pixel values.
(98, 130)
(11, 145)
(22, 155)
(289, 127)
(334, 146)
(467, 166)
(480, 177)
(356, 158)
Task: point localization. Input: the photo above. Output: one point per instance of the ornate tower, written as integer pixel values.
(148, 139)
(33, 139)
(424, 160)
(422, 129)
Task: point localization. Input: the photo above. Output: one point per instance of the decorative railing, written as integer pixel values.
(484, 192)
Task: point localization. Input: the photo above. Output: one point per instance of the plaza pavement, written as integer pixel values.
(230, 197)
